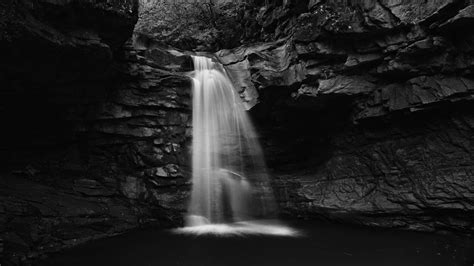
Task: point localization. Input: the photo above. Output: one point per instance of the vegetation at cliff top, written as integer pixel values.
(200, 25)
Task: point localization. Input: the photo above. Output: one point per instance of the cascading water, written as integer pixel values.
(230, 183)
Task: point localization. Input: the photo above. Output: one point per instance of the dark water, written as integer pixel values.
(322, 245)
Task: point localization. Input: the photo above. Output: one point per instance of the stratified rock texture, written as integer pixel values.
(96, 133)
(414, 172)
(372, 99)
(122, 166)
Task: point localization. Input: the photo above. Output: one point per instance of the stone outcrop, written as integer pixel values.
(414, 173)
(372, 99)
(59, 41)
(96, 133)
(123, 166)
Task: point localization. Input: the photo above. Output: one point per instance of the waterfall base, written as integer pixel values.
(255, 227)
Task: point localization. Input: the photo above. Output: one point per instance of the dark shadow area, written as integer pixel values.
(321, 244)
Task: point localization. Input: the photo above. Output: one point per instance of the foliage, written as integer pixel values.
(195, 25)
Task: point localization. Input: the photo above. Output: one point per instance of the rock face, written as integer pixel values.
(364, 110)
(412, 172)
(372, 99)
(96, 133)
(124, 164)
(70, 40)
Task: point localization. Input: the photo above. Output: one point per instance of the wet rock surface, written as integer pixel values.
(372, 100)
(97, 135)
(413, 172)
(121, 163)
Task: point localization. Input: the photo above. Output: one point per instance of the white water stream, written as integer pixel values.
(231, 189)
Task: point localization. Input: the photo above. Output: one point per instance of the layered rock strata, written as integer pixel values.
(373, 100)
(95, 133)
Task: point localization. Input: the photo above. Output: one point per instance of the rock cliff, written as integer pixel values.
(95, 132)
(372, 100)
(363, 108)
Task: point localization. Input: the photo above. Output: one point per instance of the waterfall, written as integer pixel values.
(230, 182)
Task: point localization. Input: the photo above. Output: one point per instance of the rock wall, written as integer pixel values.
(121, 163)
(363, 108)
(96, 133)
(60, 41)
(372, 100)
